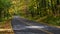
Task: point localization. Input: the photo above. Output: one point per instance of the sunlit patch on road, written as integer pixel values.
(36, 26)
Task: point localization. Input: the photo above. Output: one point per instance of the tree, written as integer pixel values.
(4, 5)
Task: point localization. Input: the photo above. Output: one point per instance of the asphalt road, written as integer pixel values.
(24, 26)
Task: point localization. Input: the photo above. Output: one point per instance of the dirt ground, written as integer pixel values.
(6, 28)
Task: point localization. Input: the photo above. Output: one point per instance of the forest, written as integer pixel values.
(45, 11)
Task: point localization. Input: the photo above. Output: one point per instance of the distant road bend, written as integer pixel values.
(24, 26)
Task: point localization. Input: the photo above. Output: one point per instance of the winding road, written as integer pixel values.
(24, 26)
